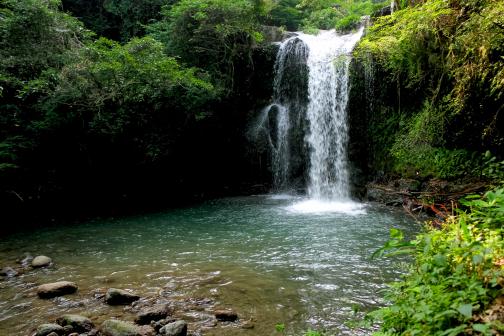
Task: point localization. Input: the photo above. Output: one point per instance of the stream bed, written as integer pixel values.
(272, 259)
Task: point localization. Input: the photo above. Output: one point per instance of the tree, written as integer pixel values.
(116, 19)
(211, 34)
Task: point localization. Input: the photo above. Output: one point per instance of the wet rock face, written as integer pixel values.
(116, 296)
(49, 328)
(41, 261)
(156, 313)
(50, 290)
(77, 322)
(178, 328)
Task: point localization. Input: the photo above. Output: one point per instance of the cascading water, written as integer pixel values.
(310, 101)
(283, 120)
(328, 63)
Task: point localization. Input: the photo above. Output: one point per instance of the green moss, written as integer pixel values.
(441, 87)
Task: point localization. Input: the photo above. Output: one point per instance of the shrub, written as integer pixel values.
(457, 275)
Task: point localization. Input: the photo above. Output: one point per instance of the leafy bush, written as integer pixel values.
(457, 275)
(211, 34)
(286, 13)
(132, 91)
(116, 19)
(444, 83)
(336, 14)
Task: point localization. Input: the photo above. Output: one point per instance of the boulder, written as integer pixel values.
(120, 328)
(155, 313)
(50, 290)
(178, 328)
(48, 328)
(226, 315)
(41, 261)
(68, 329)
(78, 323)
(157, 325)
(8, 272)
(116, 296)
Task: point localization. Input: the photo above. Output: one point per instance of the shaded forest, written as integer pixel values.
(113, 105)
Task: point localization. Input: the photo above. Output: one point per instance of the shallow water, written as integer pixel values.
(273, 259)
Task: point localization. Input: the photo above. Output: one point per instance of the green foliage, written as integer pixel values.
(130, 91)
(312, 333)
(211, 34)
(71, 108)
(476, 56)
(36, 41)
(116, 19)
(409, 44)
(444, 81)
(25, 53)
(492, 169)
(396, 245)
(457, 274)
(336, 14)
(286, 13)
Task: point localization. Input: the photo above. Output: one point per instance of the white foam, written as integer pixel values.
(317, 206)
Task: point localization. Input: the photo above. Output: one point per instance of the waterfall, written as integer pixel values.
(328, 63)
(283, 121)
(310, 98)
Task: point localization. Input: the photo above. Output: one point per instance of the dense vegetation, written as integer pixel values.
(438, 114)
(440, 108)
(455, 285)
(86, 120)
(106, 103)
(120, 101)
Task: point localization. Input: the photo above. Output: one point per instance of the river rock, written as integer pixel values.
(78, 323)
(8, 272)
(155, 313)
(52, 334)
(41, 261)
(68, 329)
(120, 328)
(26, 261)
(178, 328)
(116, 296)
(226, 315)
(48, 328)
(50, 290)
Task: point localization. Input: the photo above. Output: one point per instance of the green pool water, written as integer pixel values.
(273, 259)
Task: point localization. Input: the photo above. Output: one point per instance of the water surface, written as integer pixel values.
(269, 258)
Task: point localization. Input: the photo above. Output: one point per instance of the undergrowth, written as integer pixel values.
(455, 286)
(440, 105)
